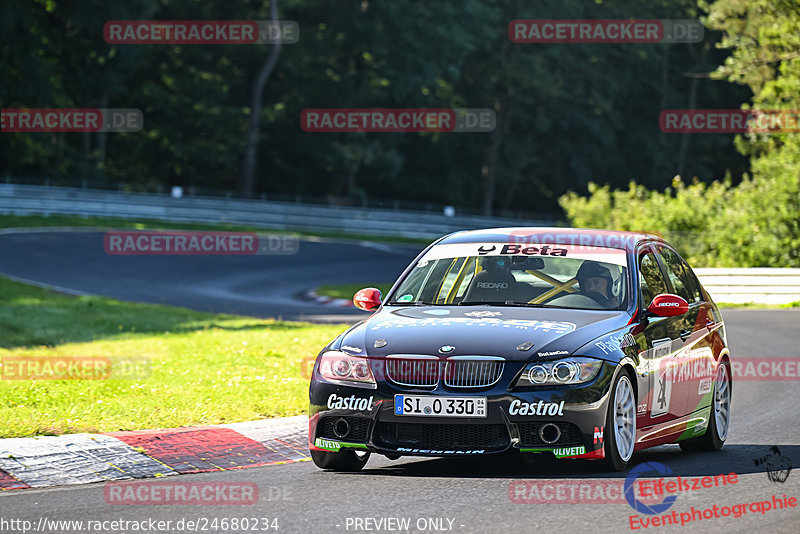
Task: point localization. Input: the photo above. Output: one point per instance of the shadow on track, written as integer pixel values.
(739, 459)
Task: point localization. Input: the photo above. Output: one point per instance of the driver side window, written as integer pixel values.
(678, 273)
(651, 280)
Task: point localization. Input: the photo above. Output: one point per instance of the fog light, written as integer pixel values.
(549, 433)
(341, 428)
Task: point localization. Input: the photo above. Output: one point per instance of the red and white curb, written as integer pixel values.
(327, 301)
(83, 458)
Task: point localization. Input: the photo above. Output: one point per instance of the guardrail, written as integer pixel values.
(759, 285)
(48, 200)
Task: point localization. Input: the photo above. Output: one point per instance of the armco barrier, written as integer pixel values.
(760, 285)
(36, 200)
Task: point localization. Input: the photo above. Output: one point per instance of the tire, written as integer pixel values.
(620, 431)
(720, 417)
(347, 461)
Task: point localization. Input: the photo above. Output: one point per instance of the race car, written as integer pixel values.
(565, 342)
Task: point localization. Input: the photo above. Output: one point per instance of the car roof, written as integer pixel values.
(533, 235)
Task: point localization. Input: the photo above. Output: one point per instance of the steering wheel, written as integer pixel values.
(599, 298)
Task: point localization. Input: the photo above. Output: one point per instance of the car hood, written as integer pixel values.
(478, 330)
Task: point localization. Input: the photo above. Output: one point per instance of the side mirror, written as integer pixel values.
(668, 305)
(367, 299)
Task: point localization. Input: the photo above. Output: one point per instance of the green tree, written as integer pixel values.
(753, 223)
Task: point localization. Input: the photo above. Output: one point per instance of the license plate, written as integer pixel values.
(440, 406)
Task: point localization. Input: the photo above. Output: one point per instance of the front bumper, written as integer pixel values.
(345, 417)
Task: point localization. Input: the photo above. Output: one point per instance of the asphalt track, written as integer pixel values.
(430, 493)
(260, 285)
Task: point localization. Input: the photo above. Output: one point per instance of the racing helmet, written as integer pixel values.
(592, 269)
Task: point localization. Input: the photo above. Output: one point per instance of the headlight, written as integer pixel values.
(573, 370)
(341, 368)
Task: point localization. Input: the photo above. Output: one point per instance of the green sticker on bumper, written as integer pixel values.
(327, 444)
(561, 452)
(335, 446)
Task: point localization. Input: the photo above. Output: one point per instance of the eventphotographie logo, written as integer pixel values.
(640, 505)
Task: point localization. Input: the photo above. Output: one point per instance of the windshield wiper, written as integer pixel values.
(515, 303)
(534, 305)
(510, 303)
(491, 303)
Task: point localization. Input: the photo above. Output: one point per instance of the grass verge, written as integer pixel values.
(202, 368)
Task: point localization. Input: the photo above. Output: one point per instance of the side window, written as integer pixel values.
(679, 275)
(698, 295)
(650, 278)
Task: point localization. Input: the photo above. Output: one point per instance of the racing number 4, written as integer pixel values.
(662, 386)
(662, 395)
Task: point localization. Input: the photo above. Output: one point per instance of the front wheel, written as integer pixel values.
(344, 461)
(719, 418)
(620, 424)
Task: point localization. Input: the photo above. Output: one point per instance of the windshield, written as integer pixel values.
(562, 277)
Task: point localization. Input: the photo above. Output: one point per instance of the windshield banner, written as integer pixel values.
(580, 252)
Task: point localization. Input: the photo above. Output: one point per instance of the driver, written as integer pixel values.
(595, 282)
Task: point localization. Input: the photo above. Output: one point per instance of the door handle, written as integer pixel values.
(685, 334)
(710, 324)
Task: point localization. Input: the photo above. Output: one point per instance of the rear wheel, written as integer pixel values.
(620, 433)
(345, 461)
(719, 418)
